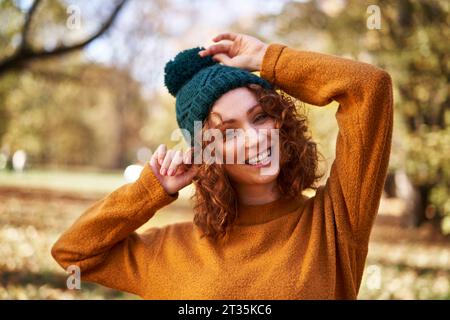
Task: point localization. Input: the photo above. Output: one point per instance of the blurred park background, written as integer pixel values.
(82, 105)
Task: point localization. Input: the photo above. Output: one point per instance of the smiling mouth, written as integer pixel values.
(262, 158)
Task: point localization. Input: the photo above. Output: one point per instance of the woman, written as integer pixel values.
(254, 235)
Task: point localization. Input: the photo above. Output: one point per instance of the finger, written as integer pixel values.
(161, 153)
(186, 160)
(223, 58)
(154, 156)
(179, 170)
(155, 165)
(216, 48)
(154, 161)
(227, 35)
(187, 156)
(177, 159)
(166, 162)
(190, 174)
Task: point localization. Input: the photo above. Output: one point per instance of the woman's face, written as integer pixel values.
(247, 135)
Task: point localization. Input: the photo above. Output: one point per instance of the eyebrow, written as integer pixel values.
(248, 112)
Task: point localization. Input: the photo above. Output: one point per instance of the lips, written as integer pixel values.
(261, 158)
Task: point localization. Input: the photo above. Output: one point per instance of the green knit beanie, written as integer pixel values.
(197, 82)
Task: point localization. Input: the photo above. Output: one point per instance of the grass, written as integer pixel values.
(74, 181)
(402, 263)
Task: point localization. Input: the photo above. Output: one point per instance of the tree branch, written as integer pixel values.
(26, 54)
(26, 27)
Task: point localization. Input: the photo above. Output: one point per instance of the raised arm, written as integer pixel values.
(103, 242)
(365, 120)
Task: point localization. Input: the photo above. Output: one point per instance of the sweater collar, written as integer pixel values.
(261, 213)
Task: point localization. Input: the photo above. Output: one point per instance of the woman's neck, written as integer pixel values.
(257, 194)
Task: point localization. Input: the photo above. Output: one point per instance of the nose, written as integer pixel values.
(255, 140)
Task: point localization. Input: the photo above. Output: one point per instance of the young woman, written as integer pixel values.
(254, 235)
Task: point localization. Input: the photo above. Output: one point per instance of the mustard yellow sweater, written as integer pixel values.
(302, 248)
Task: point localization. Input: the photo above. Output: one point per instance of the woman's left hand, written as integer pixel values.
(237, 50)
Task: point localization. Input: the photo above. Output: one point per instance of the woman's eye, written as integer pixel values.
(261, 117)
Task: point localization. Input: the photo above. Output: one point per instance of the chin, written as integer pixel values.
(245, 175)
(264, 179)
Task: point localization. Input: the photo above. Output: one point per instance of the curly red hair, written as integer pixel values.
(215, 199)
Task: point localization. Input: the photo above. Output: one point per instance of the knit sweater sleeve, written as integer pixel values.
(103, 242)
(365, 121)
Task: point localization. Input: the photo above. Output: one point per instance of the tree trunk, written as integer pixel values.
(390, 186)
(414, 199)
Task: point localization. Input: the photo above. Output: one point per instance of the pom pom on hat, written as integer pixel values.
(183, 67)
(197, 82)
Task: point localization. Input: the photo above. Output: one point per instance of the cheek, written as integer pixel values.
(270, 124)
(232, 148)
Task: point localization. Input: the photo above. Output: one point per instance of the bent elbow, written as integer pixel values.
(380, 88)
(62, 256)
(57, 255)
(382, 81)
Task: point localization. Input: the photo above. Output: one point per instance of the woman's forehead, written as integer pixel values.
(234, 104)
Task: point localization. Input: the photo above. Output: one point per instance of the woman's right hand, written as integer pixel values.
(237, 50)
(167, 167)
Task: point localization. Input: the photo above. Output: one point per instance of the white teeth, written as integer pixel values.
(259, 158)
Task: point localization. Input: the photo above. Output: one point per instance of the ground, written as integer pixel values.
(35, 207)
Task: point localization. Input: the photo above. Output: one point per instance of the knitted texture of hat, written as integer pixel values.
(197, 82)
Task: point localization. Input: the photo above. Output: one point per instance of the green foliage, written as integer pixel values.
(85, 115)
(411, 45)
(400, 264)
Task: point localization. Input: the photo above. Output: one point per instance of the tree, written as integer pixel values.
(411, 45)
(86, 115)
(26, 51)
(22, 43)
